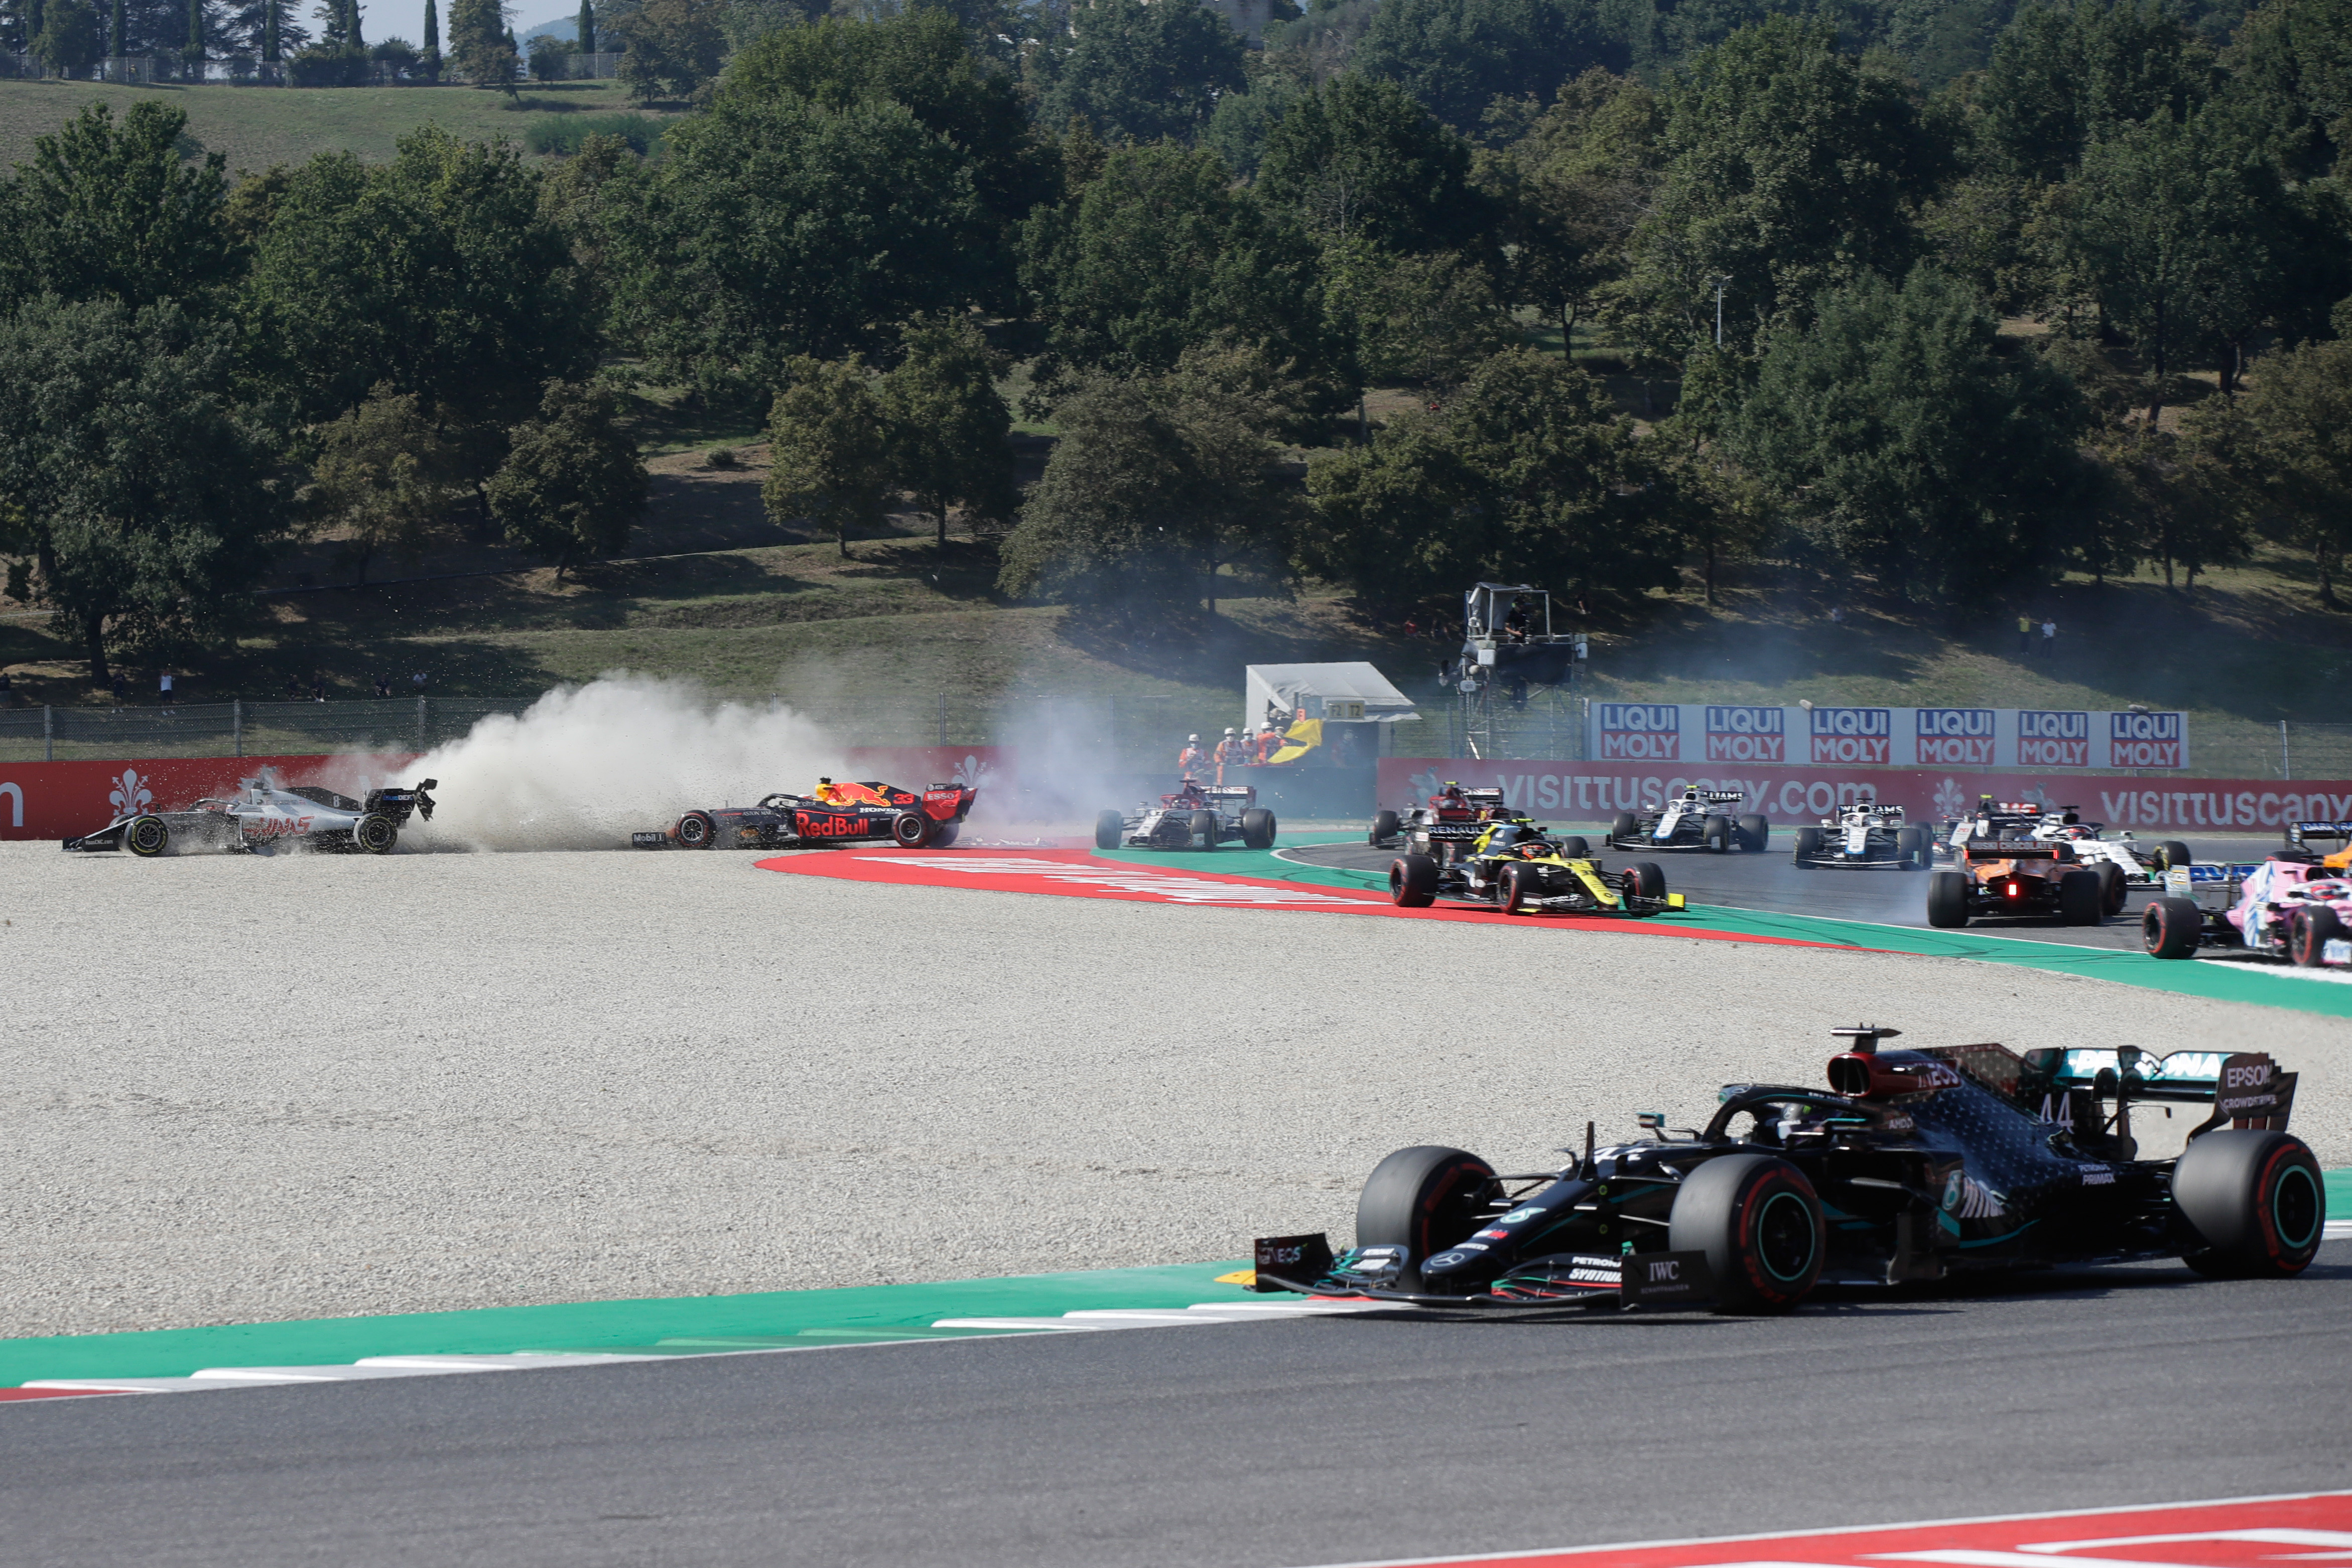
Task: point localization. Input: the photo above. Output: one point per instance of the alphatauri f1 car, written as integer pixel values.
(1196, 816)
(867, 813)
(1513, 867)
(1693, 819)
(261, 815)
(1914, 1165)
(1864, 836)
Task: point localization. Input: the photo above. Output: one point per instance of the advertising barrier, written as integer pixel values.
(64, 800)
(1980, 738)
(1596, 792)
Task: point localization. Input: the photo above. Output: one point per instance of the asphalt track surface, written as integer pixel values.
(1772, 881)
(1260, 1445)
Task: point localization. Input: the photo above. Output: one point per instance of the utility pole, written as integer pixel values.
(1720, 282)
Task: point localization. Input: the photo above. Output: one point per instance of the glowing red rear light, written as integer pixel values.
(2014, 890)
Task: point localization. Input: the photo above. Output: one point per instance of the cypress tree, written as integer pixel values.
(195, 29)
(432, 26)
(587, 44)
(270, 31)
(351, 39)
(114, 32)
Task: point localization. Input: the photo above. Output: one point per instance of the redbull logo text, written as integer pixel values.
(2144, 740)
(1745, 735)
(1854, 735)
(1641, 731)
(2048, 738)
(810, 825)
(1955, 737)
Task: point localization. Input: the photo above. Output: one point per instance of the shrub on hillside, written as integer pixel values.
(562, 135)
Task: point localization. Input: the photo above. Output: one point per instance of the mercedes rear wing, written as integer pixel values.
(2245, 1087)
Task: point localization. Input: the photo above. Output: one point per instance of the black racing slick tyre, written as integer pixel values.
(1911, 846)
(1204, 828)
(375, 833)
(1423, 1199)
(695, 830)
(2256, 1200)
(1716, 834)
(1384, 830)
(1755, 834)
(1521, 886)
(1649, 882)
(1622, 831)
(1412, 881)
(2170, 928)
(2307, 937)
(147, 837)
(1575, 849)
(1109, 828)
(945, 834)
(2082, 898)
(1948, 898)
(910, 830)
(2172, 852)
(1809, 844)
(1257, 828)
(1757, 1220)
(2112, 889)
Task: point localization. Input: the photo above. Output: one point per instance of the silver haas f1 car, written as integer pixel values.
(262, 816)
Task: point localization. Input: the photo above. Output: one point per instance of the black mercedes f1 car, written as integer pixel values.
(835, 814)
(1915, 1165)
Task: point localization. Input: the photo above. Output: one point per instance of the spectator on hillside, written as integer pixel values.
(2025, 633)
(383, 686)
(293, 688)
(2049, 638)
(117, 685)
(318, 688)
(417, 680)
(7, 689)
(163, 689)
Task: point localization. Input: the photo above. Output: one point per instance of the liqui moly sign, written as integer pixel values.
(1639, 731)
(1746, 734)
(2147, 741)
(1852, 737)
(2053, 738)
(1953, 737)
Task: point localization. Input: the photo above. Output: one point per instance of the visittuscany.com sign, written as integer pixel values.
(1597, 790)
(1717, 733)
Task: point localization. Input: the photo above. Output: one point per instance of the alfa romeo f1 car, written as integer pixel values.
(2030, 878)
(1196, 816)
(1454, 819)
(1515, 868)
(262, 815)
(1864, 836)
(2293, 906)
(1914, 1165)
(1692, 820)
(867, 813)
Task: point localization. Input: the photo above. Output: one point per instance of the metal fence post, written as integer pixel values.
(48, 734)
(2286, 764)
(236, 724)
(944, 718)
(420, 724)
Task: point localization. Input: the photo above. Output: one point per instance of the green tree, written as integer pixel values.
(436, 273)
(1359, 158)
(829, 449)
(149, 504)
(2061, 77)
(950, 431)
(1791, 168)
(584, 28)
(2288, 444)
(778, 227)
(479, 46)
(68, 42)
(1243, 120)
(670, 48)
(383, 476)
(1413, 319)
(1458, 56)
(1155, 483)
(109, 210)
(571, 484)
(1587, 169)
(1141, 71)
(1908, 438)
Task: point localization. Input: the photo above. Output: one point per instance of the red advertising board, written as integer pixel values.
(62, 800)
(1596, 791)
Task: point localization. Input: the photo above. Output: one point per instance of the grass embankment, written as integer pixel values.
(256, 127)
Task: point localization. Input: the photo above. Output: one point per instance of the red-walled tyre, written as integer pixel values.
(2169, 928)
(1424, 1199)
(910, 830)
(1412, 881)
(1757, 1220)
(2256, 1199)
(695, 830)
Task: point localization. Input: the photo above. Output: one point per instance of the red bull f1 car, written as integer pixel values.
(1913, 1165)
(263, 815)
(1196, 816)
(1695, 819)
(834, 814)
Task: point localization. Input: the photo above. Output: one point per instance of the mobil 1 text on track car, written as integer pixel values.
(1694, 819)
(263, 815)
(1913, 1165)
(834, 814)
(1513, 868)
(1195, 816)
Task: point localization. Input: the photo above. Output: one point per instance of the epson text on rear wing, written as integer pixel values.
(2245, 1088)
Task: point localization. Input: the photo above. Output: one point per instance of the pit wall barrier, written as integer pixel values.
(1724, 735)
(1595, 792)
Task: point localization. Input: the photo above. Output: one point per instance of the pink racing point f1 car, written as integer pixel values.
(2292, 906)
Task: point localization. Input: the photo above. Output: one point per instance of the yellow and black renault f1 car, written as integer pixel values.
(1913, 1165)
(835, 814)
(1513, 868)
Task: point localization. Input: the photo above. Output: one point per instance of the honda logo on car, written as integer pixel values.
(1641, 731)
(2144, 740)
(1746, 734)
(1955, 737)
(1854, 735)
(2050, 738)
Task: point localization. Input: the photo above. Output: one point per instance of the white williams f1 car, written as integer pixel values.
(262, 815)
(1694, 819)
(1864, 835)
